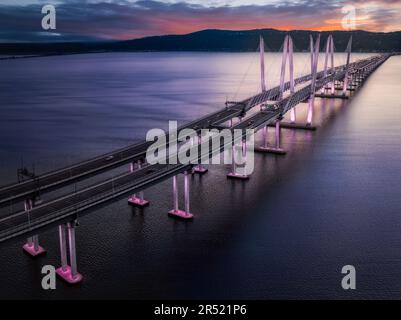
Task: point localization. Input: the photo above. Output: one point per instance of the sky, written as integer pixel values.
(20, 20)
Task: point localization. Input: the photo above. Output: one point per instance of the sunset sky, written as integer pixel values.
(20, 20)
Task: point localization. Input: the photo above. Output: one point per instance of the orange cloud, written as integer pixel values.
(128, 20)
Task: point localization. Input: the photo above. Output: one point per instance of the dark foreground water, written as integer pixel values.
(333, 200)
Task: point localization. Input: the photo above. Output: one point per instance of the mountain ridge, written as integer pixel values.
(218, 40)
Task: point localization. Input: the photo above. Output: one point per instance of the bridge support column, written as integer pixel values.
(293, 116)
(68, 273)
(234, 174)
(134, 200)
(265, 143)
(345, 86)
(310, 111)
(332, 84)
(200, 169)
(262, 64)
(176, 212)
(63, 247)
(32, 246)
(277, 149)
(265, 137)
(333, 88)
(313, 84)
(349, 48)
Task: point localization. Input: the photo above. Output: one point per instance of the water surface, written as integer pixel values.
(332, 200)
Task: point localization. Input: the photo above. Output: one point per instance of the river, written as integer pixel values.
(333, 200)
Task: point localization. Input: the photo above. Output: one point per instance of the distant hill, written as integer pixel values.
(217, 40)
(222, 40)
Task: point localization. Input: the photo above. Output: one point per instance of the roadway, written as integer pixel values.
(56, 179)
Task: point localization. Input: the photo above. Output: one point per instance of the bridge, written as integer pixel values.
(30, 214)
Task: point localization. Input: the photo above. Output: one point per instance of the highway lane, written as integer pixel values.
(85, 169)
(75, 203)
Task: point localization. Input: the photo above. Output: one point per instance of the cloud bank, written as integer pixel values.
(20, 20)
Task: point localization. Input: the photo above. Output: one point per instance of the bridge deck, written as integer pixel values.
(71, 174)
(75, 203)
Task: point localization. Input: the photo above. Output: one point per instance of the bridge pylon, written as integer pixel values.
(292, 124)
(200, 169)
(329, 55)
(277, 149)
(68, 272)
(176, 212)
(137, 200)
(32, 246)
(345, 84)
(288, 54)
(347, 74)
(315, 60)
(238, 150)
(262, 64)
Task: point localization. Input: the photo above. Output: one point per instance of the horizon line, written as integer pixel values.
(185, 34)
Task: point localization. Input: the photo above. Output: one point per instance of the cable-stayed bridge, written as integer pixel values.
(267, 108)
